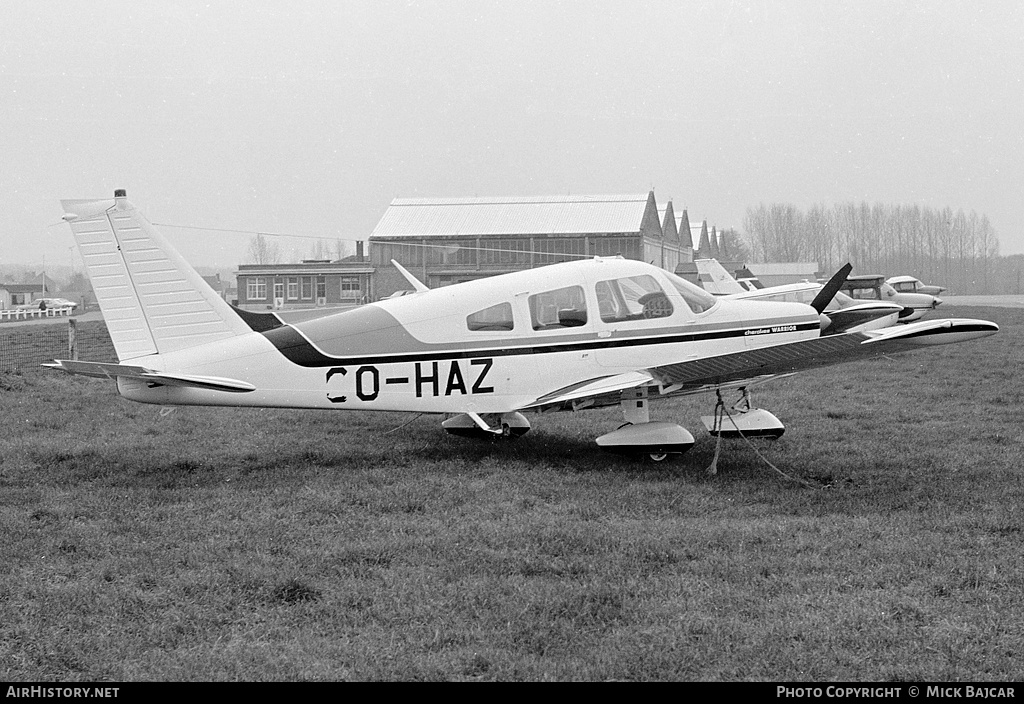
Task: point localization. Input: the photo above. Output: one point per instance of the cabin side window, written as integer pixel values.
(497, 317)
(561, 308)
(866, 294)
(632, 298)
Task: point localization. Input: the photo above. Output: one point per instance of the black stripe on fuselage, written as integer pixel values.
(297, 349)
(259, 322)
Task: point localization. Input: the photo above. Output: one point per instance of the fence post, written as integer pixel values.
(72, 339)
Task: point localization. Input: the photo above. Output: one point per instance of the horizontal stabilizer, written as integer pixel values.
(104, 370)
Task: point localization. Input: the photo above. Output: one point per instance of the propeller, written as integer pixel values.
(827, 293)
(830, 289)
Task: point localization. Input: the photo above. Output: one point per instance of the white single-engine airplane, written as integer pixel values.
(569, 336)
(866, 287)
(844, 314)
(910, 284)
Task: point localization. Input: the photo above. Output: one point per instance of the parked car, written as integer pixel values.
(57, 303)
(49, 303)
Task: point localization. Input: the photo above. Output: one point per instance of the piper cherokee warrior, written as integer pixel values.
(583, 334)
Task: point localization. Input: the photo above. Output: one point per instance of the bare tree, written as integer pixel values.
(957, 249)
(261, 251)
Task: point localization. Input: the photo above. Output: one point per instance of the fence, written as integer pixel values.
(26, 346)
(31, 313)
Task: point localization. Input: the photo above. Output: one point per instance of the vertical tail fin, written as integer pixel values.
(152, 300)
(748, 280)
(715, 279)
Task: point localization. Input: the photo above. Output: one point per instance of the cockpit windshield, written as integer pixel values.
(697, 298)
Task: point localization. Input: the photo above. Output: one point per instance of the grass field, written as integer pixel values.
(224, 544)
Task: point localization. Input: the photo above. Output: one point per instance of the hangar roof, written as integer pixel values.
(532, 215)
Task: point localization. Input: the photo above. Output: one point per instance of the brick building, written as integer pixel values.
(312, 283)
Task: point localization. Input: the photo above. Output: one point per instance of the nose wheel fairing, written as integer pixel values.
(654, 438)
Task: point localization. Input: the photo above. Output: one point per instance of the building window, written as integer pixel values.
(279, 290)
(256, 288)
(405, 254)
(307, 288)
(454, 253)
(505, 251)
(293, 288)
(628, 247)
(558, 249)
(350, 287)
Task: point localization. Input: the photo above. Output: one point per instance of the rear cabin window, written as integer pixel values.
(631, 298)
(497, 317)
(561, 308)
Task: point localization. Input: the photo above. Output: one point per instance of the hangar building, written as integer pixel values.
(448, 240)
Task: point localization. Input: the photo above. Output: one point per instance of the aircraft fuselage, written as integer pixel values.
(434, 352)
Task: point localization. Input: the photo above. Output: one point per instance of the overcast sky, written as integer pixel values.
(309, 117)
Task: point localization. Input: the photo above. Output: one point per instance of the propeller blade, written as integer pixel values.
(829, 290)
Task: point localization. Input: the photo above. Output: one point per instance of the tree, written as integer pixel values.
(262, 252)
(956, 249)
(732, 247)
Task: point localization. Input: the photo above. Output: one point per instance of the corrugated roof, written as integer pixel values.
(437, 217)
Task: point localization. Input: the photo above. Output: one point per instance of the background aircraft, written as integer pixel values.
(570, 336)
(908, 284)
(870, 287)
(844, 313)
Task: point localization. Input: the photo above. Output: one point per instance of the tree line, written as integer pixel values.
(951, 248)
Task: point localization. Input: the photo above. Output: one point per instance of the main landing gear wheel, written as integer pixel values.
(658, 456)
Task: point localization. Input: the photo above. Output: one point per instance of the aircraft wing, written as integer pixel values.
(757, 366)
(105, 370)
(819, 352)
(594, 387)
